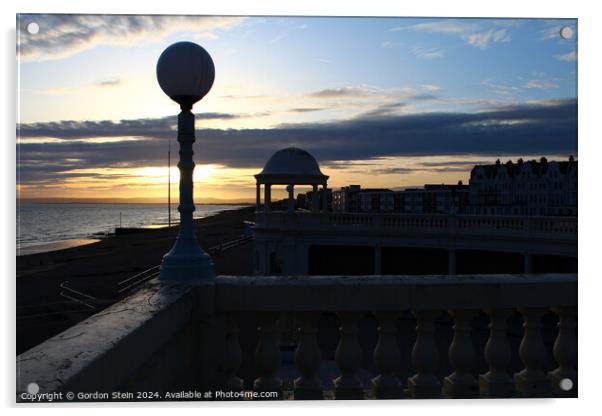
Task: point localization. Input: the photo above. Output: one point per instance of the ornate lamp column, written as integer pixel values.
(185, 73)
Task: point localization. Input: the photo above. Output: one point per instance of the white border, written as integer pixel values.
(589, 150)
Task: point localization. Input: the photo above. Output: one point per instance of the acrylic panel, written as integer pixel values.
(217, 208)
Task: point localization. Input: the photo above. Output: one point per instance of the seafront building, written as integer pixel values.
(378, 231)
(431, 199)
(532, 188)
(524, 188)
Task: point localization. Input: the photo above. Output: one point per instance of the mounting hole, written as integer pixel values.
(33, 388)
(566, 384)
(566, 32)
(33, 28)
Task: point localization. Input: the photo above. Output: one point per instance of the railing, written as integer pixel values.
(219, 248)
(440, 223)
(76, 296)
(427, 298)
(208, 355)
(138, 279)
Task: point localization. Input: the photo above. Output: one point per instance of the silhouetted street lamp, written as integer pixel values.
(185, 73)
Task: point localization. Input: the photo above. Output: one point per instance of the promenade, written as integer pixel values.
(95, 269)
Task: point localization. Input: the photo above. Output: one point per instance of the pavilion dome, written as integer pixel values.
(292, 162)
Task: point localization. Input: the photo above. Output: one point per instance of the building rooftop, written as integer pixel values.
(537, 168)
(292, 162)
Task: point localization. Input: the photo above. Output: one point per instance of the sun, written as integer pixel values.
(158, 174)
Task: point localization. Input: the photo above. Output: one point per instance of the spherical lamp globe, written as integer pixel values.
(185, 72)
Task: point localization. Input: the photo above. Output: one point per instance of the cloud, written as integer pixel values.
(306, 109)
(390, 44)
(284, 33)
(544, 127)
(63, 35)
(423, 97)
(540, 84)
(553, 31)
(550, 32)
(343, 92)
(109, 83)
(392, 171)
(500, 88)
(427, 53)
(482, 39)
(445, 26)
(431, 87)
(567, 57)
(463, 163)
(383, 110)
(473, 33)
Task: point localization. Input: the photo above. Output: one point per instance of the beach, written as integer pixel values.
(96, 268)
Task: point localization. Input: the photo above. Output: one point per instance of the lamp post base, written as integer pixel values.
(186, 262)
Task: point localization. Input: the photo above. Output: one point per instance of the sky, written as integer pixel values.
(381, 102)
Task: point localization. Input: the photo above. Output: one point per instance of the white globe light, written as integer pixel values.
(185, 72)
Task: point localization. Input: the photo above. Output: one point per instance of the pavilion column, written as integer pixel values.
(291, 198)
(324, 198)
(258, 197)
(314, 199)
(267, 198)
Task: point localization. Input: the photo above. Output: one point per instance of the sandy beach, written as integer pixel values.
(96, 268)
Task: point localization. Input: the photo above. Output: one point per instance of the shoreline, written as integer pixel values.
(96, 270)
(38, 247)
(102, 202)
(51, 246)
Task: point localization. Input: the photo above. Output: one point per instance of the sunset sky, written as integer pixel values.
(381, 102)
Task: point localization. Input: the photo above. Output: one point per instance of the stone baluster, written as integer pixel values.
(387, 358)
(348, 357)
(565, 353)
(532, 381)
(461, 383)
(267, 356)
(232, 356)
(424, 384)
(497, 382)
(307, 359)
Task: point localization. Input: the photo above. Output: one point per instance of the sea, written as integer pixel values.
(48, 227)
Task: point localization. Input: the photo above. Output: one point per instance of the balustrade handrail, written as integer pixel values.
(384, 293)
(566, 226)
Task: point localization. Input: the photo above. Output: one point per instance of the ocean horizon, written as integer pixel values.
(45, 227)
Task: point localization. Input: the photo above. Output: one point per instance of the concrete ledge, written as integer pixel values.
(393, 293)
(102, 352)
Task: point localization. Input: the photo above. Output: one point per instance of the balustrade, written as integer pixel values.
(441, 222)
(267, 356)
(307, 359)
(428, 297)
(461, 383)
(532, 381)
(497, 382)
(425, 358)
(348, 357)
(563, 380)
(232, 355)
(387, 358)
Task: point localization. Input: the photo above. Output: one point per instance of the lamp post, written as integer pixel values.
(185, 73)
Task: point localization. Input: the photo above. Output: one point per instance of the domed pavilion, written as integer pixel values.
(291, 166)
